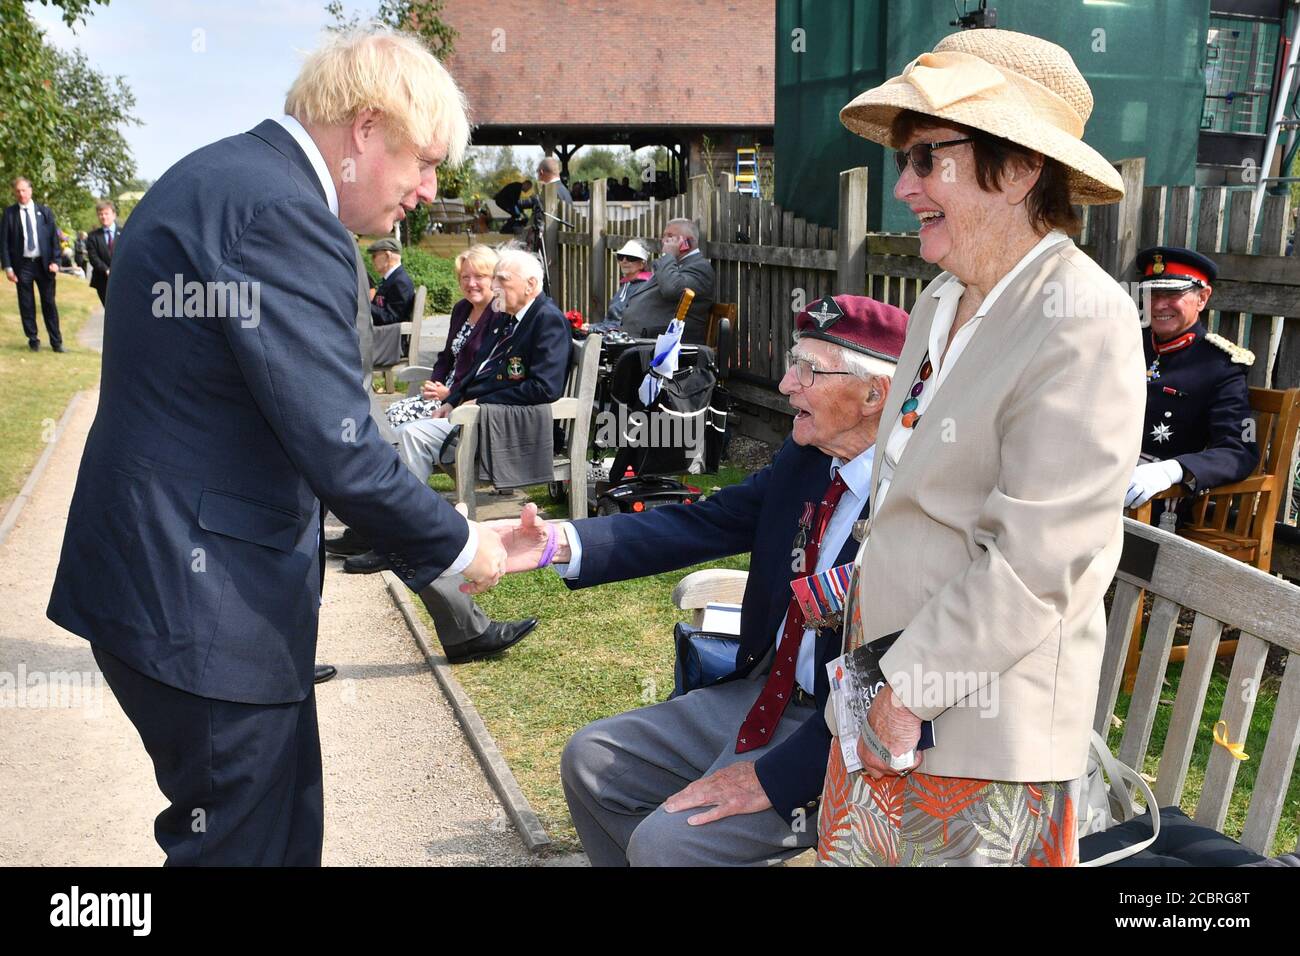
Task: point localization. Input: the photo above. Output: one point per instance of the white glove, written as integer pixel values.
(1150, 479)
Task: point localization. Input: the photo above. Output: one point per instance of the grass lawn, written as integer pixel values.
(595, 652)
(1287, 829)
(35, 386)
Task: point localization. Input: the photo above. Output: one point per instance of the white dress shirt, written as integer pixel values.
(857, 476)
(949, 295)
(31, 240)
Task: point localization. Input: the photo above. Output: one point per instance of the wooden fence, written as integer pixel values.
(771, 263)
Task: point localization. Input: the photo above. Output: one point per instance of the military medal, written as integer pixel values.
(805, 524)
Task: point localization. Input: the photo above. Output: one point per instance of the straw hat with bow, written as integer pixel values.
(1019, 87)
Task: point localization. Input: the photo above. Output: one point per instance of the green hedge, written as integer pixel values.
(435, 273)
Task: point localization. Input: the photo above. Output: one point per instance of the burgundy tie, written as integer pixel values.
(766, 713)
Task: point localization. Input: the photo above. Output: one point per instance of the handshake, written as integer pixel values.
(510, 545)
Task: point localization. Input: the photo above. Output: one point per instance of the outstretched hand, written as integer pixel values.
(488, 563)
(525, 539)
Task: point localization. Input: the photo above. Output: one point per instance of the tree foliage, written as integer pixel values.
(60, 120)
(421, 17)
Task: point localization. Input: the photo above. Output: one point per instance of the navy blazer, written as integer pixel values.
(394, 298)
(11, 243)
(192, 548)
(527, 369)
(761, 516)
(100, 255)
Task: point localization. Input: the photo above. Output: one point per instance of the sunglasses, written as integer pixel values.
(921, 155)
(628, 258)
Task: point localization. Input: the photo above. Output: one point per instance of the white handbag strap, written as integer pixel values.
(1119, 775)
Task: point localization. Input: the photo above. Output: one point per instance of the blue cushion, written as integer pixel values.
(1181, 843)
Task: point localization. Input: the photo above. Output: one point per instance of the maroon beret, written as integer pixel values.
(855, 322)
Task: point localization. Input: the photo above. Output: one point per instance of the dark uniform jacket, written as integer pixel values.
(526, 366)
(1198, 408)
(393, 299)
(759, 516)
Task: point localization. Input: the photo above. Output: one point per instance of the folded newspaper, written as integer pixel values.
(855, 680)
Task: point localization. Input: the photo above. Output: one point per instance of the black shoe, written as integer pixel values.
(367, 563)
(324, 672)
(346, 545)
(34, 346)
(56, 348)
(494, 640)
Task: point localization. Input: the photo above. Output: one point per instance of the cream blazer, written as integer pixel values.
(1003, 523)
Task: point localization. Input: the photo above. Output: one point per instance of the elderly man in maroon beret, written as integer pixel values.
(730, 773)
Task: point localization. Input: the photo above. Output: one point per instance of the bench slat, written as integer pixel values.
(1124, 609)
(1150, 681)
(1274, 776)
(1238, 708)
(1184, 726)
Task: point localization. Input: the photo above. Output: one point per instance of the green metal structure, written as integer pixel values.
(1144, 60)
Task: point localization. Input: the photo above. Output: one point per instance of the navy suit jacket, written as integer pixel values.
(100, 256)
(393, 299)
(11, 244)
(192, 548)
(761, 516)
(529, 369)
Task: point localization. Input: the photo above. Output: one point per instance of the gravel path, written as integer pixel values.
(76, 787)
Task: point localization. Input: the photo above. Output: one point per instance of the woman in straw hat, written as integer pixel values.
(999, 480)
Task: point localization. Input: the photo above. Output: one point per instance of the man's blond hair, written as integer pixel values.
(394, 73)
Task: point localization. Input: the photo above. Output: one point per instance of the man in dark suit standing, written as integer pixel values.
(99, 248)
(29, 253)
(199, 498)
(730, 773)
(681, 266)
(392, 299)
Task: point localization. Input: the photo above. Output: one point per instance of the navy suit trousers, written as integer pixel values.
(243, 780)
(31, 273)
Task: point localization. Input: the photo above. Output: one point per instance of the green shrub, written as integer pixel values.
(436, 274)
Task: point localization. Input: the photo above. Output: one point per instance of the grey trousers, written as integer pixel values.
(456, 617)
(616, 772)
(419, 444)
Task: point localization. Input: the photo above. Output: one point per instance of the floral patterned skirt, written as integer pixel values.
(924, 820)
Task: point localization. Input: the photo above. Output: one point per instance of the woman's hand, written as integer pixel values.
(898, 729)
(525, 539)
(434, 391)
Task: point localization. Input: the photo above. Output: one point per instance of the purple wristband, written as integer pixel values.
(549, 551)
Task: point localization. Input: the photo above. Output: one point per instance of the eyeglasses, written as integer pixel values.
(922, 155)
(805, 372)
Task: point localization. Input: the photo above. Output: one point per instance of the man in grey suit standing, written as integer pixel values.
(682, 266)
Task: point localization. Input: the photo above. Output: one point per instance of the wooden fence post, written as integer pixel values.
(599, 260)
(851, 265)
(1117, 241)
(699, 194)
(1266, 331)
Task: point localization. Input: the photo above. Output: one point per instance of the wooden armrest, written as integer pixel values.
(414, 373)
(463, 415)
(710, 586)
(563, 408)
(407, 328)
(1246, 485)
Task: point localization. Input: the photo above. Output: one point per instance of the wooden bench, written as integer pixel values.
(411, 328)
(573, 411)
(1223, 593)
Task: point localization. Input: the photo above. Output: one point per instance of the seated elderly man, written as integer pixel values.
(392, 299)
(747, 754)
(681, 266)
(1199, 428)
(523, 360)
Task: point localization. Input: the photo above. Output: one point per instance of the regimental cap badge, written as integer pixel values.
(1157, 264)
(826, 314)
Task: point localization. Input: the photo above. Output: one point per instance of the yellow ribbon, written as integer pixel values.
(1238, 750)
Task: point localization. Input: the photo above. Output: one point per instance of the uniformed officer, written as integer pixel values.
(1199, 428)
